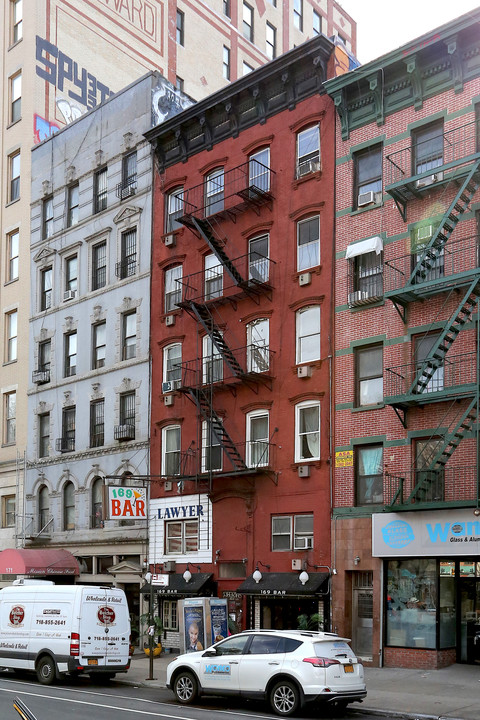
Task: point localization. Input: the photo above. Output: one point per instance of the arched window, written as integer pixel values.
(68, 506)
(97, 503)
(43, 508)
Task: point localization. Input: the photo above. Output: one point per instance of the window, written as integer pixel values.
(128, 253)
(226, 62)
(308, 334)
(427, 147)
(258, 346)
(292, 532)
(69, 506)
(11, 323)
(179, 83)
(170, 615)
(97, 423)
(129, 335)
(70, 340)
(246, 68)
(127, 416)
(71, 277)
(258, 260)
(174, 210)
(99, 345)
(413, 603)
(317, 23)
(420, 239)
(367, 277)
(15, 97)
(47, 217)
(308, 151)
(171, 450)
(271, 41)
(259, 170)
(129, 175)
(369, 375)
(425, 370)
(214, 192)
(307, 431)
(68, 430)
(13, 241)
(44, 350)
(173, 288)
(212, 361)
(257, 438)
(72, 205)
(43, 434)
(99, 265)
(100, 190)
(369, 475)
(429, 477)
(17, 18)
(14, 176)
(180, 28)
(212, 451)
(367, 177)
(213, 277)
(247, 26)
(308, 243)
(8, 511)
(181, 537)
(43, 508)
(10, 418)
(342, 38)
(46, 288)
(172, 363)
(298, 14)
(97, 502)
(226, 8)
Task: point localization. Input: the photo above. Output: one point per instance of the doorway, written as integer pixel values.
(468, 648)
(362, 614)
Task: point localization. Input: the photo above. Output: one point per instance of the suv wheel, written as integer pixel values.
(185, 688)
(284, 698)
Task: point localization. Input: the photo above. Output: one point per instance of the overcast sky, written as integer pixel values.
(383, 25)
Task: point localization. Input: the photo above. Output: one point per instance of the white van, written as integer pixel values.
(59, 629)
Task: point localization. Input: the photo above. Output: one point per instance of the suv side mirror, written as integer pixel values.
(209, 653)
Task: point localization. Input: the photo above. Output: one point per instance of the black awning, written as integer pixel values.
(285, 585)
(200, 584)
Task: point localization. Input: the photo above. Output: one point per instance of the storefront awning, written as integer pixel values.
(373, 244)
(38, 562)
(285, 585)
(200, 584)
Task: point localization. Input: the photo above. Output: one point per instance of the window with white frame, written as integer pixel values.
(181, 537)
(129, 335)
(72, 205)
(171, 438)
(246, 68)
(226, 62)
(43, 434)
(258, 260)
(292, 532)
(271, 41)
(308, 150)
(307, 431)
(11, 328)
(14, 176)
(173, 288)
(257, 436)
(70, 345)
(170, 615)
(46, 276)
(10, 417)
(214, 191)
(368, 375)
(17, 21)
(259, 169)
(212, 361)
(258, 345)
(247, 25)
(317, 23)
(212, 451)
(99, 345)
(99, 265)
(172, 363)
(308, 334)
(13, 244)
(16, 97)
(298, 14)
(71, 277)
(175, 209)
(213, 277)
(367, 188)
(8, 511)
(308, 243)
(47, 217)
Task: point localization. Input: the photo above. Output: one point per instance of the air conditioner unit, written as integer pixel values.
(304, 471)
(358, 297)
(296, 564)
(429, 180)
(304, 371)
(303, 543)
(306, 167)
(169, 240)
(171, 385)
(169, 566)
(366, 198)
(305, 279)
(127, 191)
(424, 233)
(170, 320)
(69, 295)
(168, 400)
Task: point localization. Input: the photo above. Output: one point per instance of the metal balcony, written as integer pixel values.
(126, 189)
(127, 267)
(65, 444)
(255, 361)
(124, 432)
(446, 487)
(209, 461)
(41, 376)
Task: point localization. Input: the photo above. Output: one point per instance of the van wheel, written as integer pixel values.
(185, 688)
(284, 698)
(46, 670)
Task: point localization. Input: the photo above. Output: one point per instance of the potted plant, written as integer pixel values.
(148, 622)
(309, 622)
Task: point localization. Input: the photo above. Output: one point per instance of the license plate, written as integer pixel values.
(92, 661)
(348, 668)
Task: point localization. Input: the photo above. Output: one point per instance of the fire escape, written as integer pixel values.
(446, 265)
(203, 295)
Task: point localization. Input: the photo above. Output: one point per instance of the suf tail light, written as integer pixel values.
(321, 662)
(74, 644)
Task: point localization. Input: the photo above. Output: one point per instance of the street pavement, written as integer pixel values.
(452, 692)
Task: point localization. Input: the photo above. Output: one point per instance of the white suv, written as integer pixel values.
(285, 667)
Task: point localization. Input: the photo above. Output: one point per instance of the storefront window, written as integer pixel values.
(412, 603)
(448, 618)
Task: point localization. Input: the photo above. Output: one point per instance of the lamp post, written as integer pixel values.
(151, 626)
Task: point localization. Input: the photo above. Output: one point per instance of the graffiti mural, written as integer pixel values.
(167, 101)
(42, 129)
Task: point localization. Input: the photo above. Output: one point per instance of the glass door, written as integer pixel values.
(469, 620)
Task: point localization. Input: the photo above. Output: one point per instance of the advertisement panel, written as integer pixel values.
(126, 502)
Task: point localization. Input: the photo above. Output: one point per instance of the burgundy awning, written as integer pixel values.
(38, 562)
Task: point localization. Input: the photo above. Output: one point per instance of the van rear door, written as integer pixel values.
(104, 627)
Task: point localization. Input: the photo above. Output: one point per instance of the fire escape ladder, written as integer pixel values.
(204, 317)
(201, 399)
(432, 251)
(203, 227)
(436, 356)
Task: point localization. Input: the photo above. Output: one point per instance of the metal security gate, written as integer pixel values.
(362, 614)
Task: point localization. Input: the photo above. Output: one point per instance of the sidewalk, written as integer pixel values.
(453, 692)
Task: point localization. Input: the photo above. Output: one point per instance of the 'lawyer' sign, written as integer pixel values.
(126, 503)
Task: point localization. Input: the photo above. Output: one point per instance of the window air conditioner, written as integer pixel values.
(305, 279)
(424, 233)
(170, 320)
(366, 198)
(169, 240)
(429, 180)
(358, 297)
(69, 295)
(304, 371)
(170, 385)
(303, 543)
(307, 166)
(127, 191)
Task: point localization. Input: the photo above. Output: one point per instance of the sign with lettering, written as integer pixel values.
(180, 512)
(160, 579)
(126, 503)
(344, 458)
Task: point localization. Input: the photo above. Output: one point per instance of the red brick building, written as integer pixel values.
(406, 535)
(241, 345)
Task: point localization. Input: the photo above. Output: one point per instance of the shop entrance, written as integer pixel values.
(284, 615)
(362, 614)
(469, 619)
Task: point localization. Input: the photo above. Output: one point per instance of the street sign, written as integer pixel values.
(126, 503)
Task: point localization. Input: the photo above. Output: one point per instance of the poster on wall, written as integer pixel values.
(219, 619)
(194, 627)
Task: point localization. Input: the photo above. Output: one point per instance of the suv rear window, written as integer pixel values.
(333, 648)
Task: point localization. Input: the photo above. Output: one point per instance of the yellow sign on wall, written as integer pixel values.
(344, 458)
